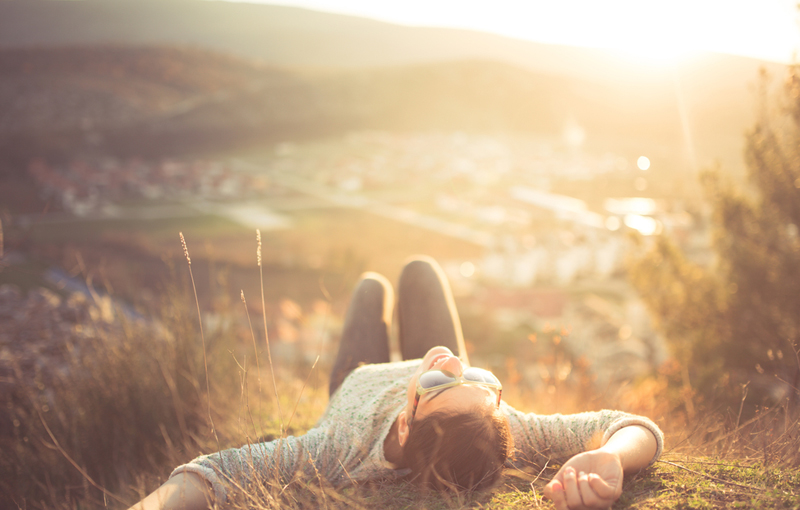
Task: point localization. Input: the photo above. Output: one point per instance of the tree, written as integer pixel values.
(739, 321)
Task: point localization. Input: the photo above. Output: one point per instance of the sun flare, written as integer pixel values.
(653, 33)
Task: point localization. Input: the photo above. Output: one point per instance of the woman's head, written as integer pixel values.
(459, 439)
(462, 451)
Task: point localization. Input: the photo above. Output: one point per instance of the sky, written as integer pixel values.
(651, 29)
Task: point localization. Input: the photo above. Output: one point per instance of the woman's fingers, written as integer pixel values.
(553, 486)
(571, 489)
(601, 487)
(555, 491)
(591, 499)
(580, 490)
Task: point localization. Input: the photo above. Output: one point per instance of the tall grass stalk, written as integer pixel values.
(245, 399)
(203, 337)
(305, 383)
(266, 334)
(255, 349)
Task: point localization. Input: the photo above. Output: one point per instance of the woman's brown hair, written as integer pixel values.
(459, 452)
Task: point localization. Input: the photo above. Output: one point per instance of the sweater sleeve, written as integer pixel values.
(280, 459)
(562, 436)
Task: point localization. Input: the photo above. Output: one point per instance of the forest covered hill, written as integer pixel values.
(291, 36)
(152, 99)
(351, 73)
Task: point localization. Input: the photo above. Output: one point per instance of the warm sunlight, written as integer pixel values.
(651, 32)
(655, 51)
(507, 227)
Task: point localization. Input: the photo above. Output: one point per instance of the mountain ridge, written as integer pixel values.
(297, 37)
(708, 99)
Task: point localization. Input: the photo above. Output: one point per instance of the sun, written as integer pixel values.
(643, 34)
(661, 54)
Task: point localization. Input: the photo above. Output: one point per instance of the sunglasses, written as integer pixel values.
(435, 380)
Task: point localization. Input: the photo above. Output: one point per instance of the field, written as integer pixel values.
(713, 460)
(618, 235)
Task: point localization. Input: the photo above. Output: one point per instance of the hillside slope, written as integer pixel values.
(624, 99)
(155, 92)
(290, 36)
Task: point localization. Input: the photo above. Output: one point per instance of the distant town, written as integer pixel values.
(481, 189)
(494, 193)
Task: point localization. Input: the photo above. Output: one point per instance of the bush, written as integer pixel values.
(738, 322)
(98, 397)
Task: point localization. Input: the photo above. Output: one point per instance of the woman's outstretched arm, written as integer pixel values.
(593, 479)
(184, 491)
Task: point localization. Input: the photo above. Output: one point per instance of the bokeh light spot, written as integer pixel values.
(644, 224)
(467, 269)
(613, 223)
(643, 163)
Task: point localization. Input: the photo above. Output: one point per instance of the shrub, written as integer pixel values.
(92, 396)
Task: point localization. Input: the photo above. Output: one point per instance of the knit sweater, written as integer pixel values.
(346, 445)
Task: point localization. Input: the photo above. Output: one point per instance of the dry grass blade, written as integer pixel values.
(751, 421)
(266, 334)
(720, 480)
(540, 473)
(301, 392)
(319, 480)
(255, 348)
(203, 338)
(71, 461)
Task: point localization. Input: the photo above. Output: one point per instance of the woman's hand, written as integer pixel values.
(591, 479)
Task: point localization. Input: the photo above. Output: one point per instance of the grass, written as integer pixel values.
(122, 408)
(680, 481)
(135, 403)
(148, 230)
(677, 481)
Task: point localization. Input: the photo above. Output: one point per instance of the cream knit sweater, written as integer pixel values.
(346, 445)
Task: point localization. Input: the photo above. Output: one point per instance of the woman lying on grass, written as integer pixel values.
(435, 420)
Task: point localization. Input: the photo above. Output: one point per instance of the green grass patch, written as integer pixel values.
(676, 482)
(90, 230)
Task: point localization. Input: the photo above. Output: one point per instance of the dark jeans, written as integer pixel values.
(426, 316)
